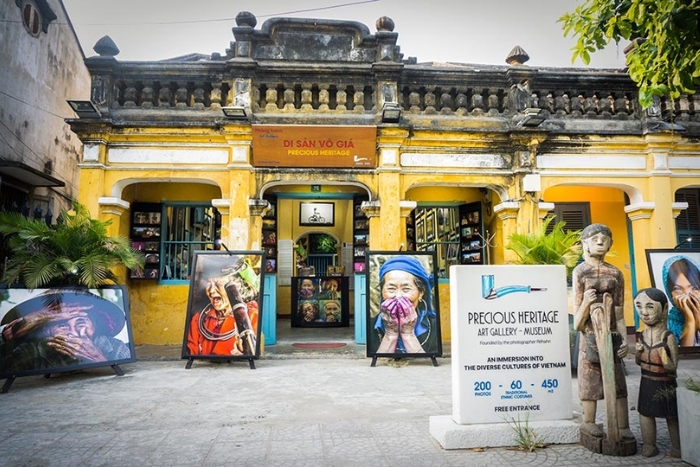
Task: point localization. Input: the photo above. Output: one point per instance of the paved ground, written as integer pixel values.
(297, 408)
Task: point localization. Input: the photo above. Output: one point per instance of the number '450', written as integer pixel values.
(550, 383)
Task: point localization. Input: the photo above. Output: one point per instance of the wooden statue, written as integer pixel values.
(657, 354)
(599, 315)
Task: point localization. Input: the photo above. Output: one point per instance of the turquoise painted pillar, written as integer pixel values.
(360, 294)
(269, 309)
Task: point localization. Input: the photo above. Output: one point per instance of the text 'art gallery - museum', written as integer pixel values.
(316, 140)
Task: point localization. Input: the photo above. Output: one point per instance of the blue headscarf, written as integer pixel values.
(676, 321)
(411, 265)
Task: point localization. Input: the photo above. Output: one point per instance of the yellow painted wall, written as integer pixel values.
(607, 207)
(158, 312)
(444, 307)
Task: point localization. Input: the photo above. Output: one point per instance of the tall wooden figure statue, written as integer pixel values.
(657, 354)
(599, 315)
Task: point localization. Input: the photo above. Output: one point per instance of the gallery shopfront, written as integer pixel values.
(317, 156)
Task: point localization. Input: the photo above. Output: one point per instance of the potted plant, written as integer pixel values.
(688, 399)
(76, 251)
(556, 246)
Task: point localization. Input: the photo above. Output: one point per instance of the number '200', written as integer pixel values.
(482, 385)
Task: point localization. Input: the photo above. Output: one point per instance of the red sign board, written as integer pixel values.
(349, 147)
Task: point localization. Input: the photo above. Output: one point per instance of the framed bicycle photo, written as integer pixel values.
(311, 214)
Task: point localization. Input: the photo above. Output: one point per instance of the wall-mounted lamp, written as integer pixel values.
(533, 117)
(84, 109)
(391, 112)
(235, 112)
(688, 241)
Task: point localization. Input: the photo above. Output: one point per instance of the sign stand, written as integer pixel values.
(432, 358)
(8, 382)
(251, 363)
(510, 357)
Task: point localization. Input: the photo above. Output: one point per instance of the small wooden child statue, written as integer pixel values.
(657, 354)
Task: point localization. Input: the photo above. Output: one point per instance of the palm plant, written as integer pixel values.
(76, 251)
(541, 247)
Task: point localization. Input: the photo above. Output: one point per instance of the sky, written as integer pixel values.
(462, 31)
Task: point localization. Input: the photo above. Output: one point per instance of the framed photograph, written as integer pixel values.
(393, 276)
(320, 301)
(311, 214)
(141, 217)
(270, 265)
(361, 224)
(420, 231)
(152, 258)
(137, 273)
(677, 274)
(151, 273)
(138, 245)
(471, 258)
(224, 309)
(269, 237)
(151, 246)
(360, 239)
(358, 211)
(95, 319)
(430, 226)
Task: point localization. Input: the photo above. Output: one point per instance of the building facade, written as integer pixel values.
(327, 113)
(43, 65)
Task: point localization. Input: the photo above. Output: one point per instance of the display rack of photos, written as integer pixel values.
(471, 234)
(360, 236)
(435, 229)
(145, 237)
(320, 301)
(269, 236)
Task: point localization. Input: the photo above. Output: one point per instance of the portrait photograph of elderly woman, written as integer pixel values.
(402, 305)
(56, 330)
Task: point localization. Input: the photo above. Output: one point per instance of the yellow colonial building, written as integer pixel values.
(392, 153)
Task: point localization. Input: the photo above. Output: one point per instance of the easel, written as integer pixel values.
(11, 379)
(432, 358)
(251, 362)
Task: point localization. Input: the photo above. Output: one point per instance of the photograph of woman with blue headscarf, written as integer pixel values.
(681, 279)
(402, 312)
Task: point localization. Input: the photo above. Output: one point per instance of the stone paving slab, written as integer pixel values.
(287, 412)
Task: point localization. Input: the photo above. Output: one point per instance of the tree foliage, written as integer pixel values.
(558, 246)
(76, 251)
(665, 59)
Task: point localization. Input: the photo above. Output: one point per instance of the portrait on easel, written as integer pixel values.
(61, 329)
(225, 305)
(402, 305)
(677, 273)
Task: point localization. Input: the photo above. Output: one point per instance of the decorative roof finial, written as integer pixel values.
(246, 19)
(105, 47)
(517, 56)
(384, 24)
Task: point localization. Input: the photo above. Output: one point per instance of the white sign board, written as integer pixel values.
(510, 344)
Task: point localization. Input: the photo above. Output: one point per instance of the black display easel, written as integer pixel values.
(432, 358)
(11, 379)
(251, 362)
